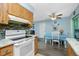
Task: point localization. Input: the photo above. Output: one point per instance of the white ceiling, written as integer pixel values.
(42, 10)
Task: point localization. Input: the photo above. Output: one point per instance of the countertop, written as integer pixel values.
(32, 35)
(74, 44)
(5, 42)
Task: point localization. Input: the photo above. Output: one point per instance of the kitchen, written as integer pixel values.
(16, 36)
(23, 29)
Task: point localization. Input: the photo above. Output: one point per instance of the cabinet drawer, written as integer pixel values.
(6, 50)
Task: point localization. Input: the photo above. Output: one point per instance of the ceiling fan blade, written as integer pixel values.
(50, 15)
(58, 17)
(59, 14)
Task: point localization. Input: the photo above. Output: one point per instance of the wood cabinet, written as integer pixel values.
(14, 9)
(70, 51)
(6, 51)
(26, 14)
(3, 13)
(36, 45)
(10, 54)
(19, 11)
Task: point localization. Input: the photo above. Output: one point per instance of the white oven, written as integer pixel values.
(23, 46)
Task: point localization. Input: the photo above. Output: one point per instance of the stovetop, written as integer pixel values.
(20, 38)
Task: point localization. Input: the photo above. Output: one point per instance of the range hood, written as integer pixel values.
(17, 19)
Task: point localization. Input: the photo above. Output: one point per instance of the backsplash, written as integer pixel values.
(2, 34)
(14, 25)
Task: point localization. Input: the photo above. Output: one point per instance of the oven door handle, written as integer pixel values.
(19, 44)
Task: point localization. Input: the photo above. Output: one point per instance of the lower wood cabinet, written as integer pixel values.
(6, 51)
(70, 51)
(36, 48)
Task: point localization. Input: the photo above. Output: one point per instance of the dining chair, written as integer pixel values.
(48, 37)
(63, 38)
(55, 38)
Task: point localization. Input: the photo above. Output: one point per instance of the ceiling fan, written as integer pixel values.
(55, 16)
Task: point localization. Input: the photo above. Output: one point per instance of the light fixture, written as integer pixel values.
(53, 18)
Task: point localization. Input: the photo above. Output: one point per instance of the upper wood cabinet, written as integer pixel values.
(3, 13)
(19, 11)
(14, 9)
(26, 14)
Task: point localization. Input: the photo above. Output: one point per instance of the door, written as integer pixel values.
(41, 29)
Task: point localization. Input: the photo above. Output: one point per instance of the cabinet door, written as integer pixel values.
(3, 13)
(36, 44)
(26, 14)
(14, 9)
(6, 50)
(10, 54)
(19, 11)
(70, 51)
